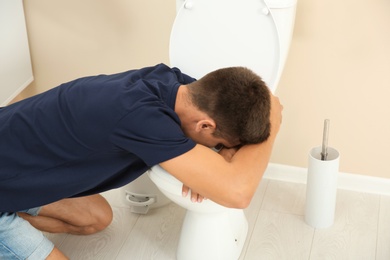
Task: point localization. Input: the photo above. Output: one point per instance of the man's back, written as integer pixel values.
(77, 139)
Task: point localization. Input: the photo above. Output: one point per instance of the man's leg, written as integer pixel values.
(20, 240)
(56, 255)
(80, 216)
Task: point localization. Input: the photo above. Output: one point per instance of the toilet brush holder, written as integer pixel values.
(321, 187)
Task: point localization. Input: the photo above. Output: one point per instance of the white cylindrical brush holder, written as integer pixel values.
(321, 188)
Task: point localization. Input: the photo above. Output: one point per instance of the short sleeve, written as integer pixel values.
(152, 132)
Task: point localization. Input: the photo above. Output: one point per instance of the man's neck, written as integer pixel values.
(183, 103)
(187, 112)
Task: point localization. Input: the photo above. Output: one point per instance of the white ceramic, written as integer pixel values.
(209, 231)
(212, 34)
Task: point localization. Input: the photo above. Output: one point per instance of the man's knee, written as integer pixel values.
(103, 219)
(83, 215)
(101, 216)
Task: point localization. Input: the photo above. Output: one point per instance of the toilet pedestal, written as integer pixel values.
(210, 231)
(216, 236)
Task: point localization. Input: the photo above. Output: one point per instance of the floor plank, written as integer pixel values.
(155, 235)
(285, 197)
(383, 244)
(280, 236)
(252, 212)
(276, 229)
(354, 232)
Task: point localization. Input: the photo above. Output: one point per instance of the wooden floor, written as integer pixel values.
(276, 229)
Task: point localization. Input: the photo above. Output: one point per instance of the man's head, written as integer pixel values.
(237, 100)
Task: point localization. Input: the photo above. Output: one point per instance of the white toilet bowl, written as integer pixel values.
(209, 231)
(141, 195)
(209, 35)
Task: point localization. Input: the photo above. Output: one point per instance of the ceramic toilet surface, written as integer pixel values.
(209, 35)
(172, 188)
(209, 230)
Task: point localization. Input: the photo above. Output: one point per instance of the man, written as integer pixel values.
(59, 149)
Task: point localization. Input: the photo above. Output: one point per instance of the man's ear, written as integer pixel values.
(205, 125)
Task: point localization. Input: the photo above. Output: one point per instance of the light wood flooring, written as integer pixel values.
(276, 229)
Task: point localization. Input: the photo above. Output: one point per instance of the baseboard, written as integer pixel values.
(346, 181)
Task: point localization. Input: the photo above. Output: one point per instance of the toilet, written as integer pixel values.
(212, 34)
(208, 35)
(209, 230)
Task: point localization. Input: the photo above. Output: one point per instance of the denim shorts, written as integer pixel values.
(20, 240)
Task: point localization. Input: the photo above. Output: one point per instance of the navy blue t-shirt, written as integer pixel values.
(89, 135)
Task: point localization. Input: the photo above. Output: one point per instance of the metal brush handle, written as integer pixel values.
(324, 152)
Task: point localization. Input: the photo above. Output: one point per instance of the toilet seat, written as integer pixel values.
(205, 33)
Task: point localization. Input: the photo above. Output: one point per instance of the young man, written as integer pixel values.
(59, 149)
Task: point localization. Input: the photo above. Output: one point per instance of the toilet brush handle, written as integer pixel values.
(324, 152)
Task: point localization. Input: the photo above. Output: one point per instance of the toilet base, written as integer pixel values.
(216, 236)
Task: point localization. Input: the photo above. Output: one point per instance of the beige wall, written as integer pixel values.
(338, 66)
(72, 38)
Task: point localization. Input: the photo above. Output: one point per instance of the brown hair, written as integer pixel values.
(238, 101)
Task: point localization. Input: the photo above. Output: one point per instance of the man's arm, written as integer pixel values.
(233, 183)
(227, 154)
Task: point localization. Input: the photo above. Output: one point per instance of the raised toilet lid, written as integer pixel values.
(213, 34)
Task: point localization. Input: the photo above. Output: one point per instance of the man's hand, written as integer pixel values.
(195, 197)
(276, 114)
